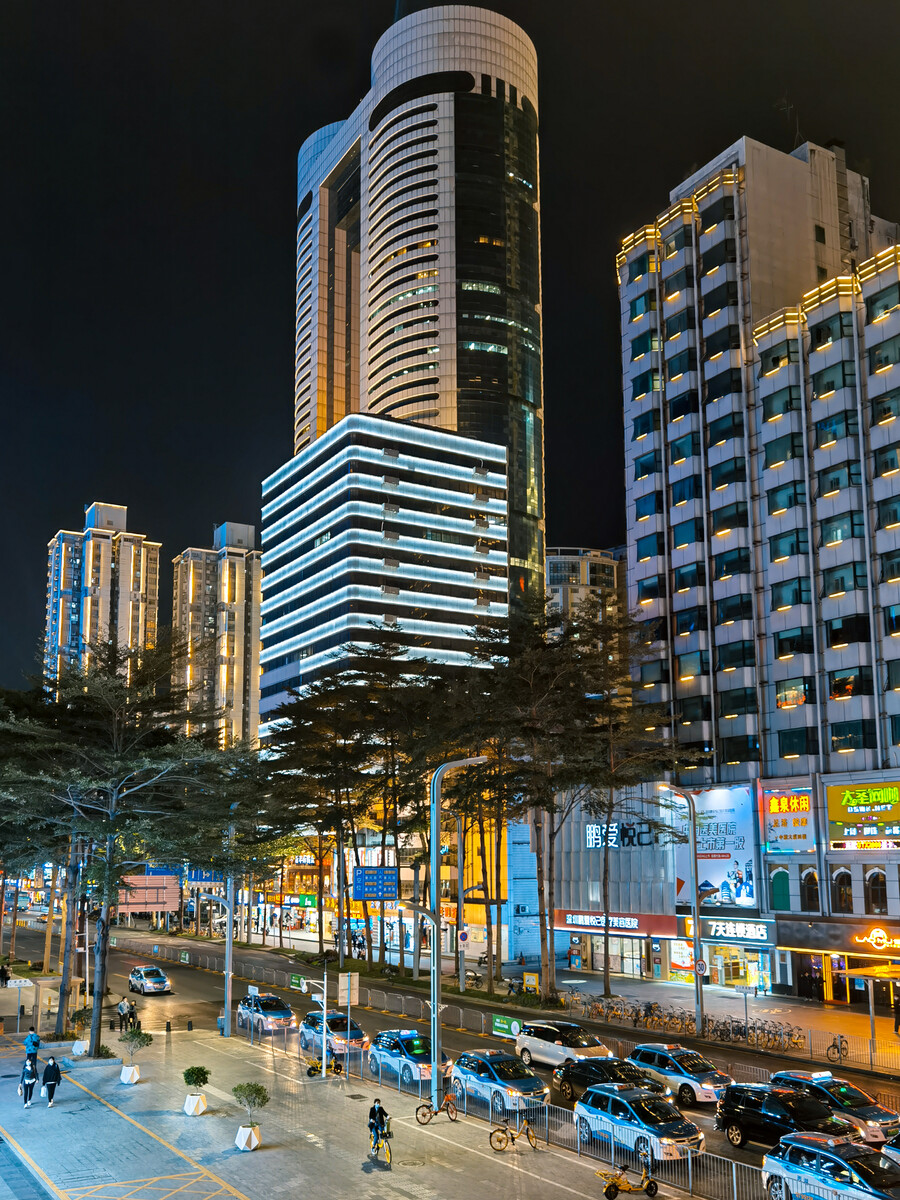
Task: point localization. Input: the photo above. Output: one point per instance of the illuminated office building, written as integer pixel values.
(102, 585)
(575, 573)
(215, 609)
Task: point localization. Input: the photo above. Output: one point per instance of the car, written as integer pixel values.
(636, 1119)
(804, 1164)
(692, 1078)
(761, 1112)
(338, 1038)
(499, 1079)
(148, 980)
(876, 1123)
(574, 1078)
(265, 1012)
(405, 1053)
(556, 1042)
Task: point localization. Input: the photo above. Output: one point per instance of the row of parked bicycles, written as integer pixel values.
(618, 1010)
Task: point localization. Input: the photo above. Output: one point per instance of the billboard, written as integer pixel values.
(863, 816)
(788, 819)
(149, 893)
(726, 854)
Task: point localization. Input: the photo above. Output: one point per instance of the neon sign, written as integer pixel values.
(879, 940)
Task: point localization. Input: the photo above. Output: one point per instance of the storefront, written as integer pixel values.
(824, 954)
(632, 939)
(737, 950)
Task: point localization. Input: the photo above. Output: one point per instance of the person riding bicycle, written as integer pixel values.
(378, 1119)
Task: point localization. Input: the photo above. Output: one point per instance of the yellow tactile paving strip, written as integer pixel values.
(192, 1185)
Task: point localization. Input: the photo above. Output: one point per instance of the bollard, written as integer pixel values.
(137, 1025)
(168, 1026)
(190, 1026)
(112, 1026)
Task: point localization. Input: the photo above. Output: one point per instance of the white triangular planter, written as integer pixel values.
(195, 1104)
(79, 1048)
(247, 1137)
(130, 1075)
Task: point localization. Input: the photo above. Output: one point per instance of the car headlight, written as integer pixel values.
(546, 1091)
(873, 1124)
(667, 1141)
(667, 1092)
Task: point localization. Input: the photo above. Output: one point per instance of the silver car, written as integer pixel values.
(558, 1042)
(148, 980)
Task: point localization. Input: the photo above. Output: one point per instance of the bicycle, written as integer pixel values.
(427, 1112)
(503, 1135)
(381, 1140)
(839, 1049)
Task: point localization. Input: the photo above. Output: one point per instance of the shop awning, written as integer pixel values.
(882, 971)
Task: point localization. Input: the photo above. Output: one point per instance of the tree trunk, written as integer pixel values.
(2, 910)
(542, 902)
(181, 906)
(607, 991)
(15, 922)
(551, 897)
(68, 938)
(498, 893)
(417, 924)
(281, 910)
(320, 891)
(101, 948)
(485, 887)
(48, 936)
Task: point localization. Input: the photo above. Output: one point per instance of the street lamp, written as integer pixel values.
(305, 986)
(228, 905)
(689, 798)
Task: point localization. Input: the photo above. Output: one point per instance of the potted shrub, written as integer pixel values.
(250, 1096)
(133, 1040)
(195, 1078)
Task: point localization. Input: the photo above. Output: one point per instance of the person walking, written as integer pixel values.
(132, 1015)
(123, 1008)
(4, 976)
(27, 1080)
(51, 1079)
(896, 1009)
(32, 1044)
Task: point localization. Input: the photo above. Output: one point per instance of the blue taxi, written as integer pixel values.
(811, 1164)
(403, 1052)
(876, 1123)
(497, 1079)
(637, 1119)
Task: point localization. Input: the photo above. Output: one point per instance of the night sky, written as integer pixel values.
(147, 246)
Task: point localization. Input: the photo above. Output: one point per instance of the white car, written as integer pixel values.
(558, 1042)
(403, 1052)
(148, 980)
(692, 1078)
(636, 1119)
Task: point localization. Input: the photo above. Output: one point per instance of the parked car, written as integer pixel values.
(405, 1053)
(498, 1079)
(148, 980)
(556, 1042)
(265, 1012)
(691, 1077)
(759, 1112)
(338, 1037)
(574, 1078)
(636, 1119)
(876, 1123)
(810, 1163)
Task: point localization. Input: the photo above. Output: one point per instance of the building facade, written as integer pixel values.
(380, 522)
(418, 289)
(216, 611)
(102, 586)
(731, 559)
(575, 573)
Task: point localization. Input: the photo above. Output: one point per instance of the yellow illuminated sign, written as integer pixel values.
(879, 940)
(864, 815)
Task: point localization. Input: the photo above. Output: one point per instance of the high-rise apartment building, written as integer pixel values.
(751, 433)
(216, 610)
(575, 573)
(102, 585)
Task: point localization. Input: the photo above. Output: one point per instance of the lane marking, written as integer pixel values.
(42, 1175)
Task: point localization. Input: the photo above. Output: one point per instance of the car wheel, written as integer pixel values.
(304, 1044)
(406, 1075)
(565, 1090)
(374, 1066)
(642, 1146)
(526, 1057)
(687, 1096)
(777, 1189)
(584, 1131)
(240, 1020)
(498, 1108)
(459, 1092)
(143, 990)
(735, 1135)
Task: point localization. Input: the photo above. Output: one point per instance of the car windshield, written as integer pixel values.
(805, 1108)
(625, 1073)
(154, 973)
(338, 1024)
(656, 1112)
(694, 1064)
(272, 1004)
(876, 1170)
(847, 1095)
(417, 1047)
(511, 1068)
(580, 1038)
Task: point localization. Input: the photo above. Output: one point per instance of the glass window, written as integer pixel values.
(679, 364)
(647, 464)
(847, 736)
(734, 750)
(831, 429)
(724, 384)
(685, 404)
(677, 240)
(837, 529)
(841, 890)
(686, 533)
(851, 681)
(791, 744)
(732, 470)
(776, 357)
(888, 512)
(829, 379)
(645, 383)
(732, 562)
(647, 547)
(820, 234)
(641, 305)
(890, 566)
(887, 460)
(735, 654)
(718, 210)
(789, 642)
(848, 577)
(648, 506)
(649, 589)
(719, 431)
(893, 674)
(693, 708)
(809, 889)
(843, 631)
(824, 333)
(689, 666)
(886, 409)
(737, 702)
(779, 451)
(834, 479)
(718, 254)
(785, 400)
(646, 423)
(684, 447)
(654, 672)
(676, 283)
(882, 303)
(639, 267)
(723, 340)
(678, 323)
(874, 881)
(734, 608)
(895, 731)
(789, 592)
(731, 516)
(792, 693)
(689, 576)
(884, 356)
(683, 490)
(690, 620)
(788, 495)
(644, 344)
(717, 298)
(785, 545)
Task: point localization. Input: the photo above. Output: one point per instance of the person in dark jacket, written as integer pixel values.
(896, 1009)
(378, 1118)
(27, 1080)
(51, 1078)
(4, 976)
(32, 1044)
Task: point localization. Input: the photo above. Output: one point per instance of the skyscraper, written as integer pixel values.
(102, 585)
(727, 301)
(215, 609)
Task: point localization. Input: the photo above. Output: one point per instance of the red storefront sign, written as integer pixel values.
(627, 924)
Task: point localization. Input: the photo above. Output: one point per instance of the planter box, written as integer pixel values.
(195, 1104)
(247, 1137)
(130, 1075)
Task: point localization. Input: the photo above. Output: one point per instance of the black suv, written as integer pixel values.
(758, 1112)
(572, 1079)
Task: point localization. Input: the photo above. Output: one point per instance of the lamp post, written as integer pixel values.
(308, 985)
(689, 799)
(228, 905)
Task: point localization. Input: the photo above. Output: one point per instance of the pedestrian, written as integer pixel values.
(51, 1078)
(132, 1015)
(32, 1044)
(4, 976)
(896, 1010)
(27, 1080)
(123, 1008)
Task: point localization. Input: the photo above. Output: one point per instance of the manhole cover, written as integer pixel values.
(411, 1162)
(356, 1096)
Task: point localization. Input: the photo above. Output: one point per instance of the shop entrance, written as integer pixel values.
(625, 955)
